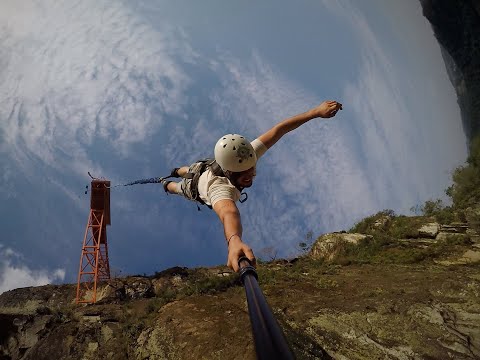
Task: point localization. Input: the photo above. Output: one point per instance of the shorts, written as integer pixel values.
(185, 188)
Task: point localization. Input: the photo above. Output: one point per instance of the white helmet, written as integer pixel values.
(234, 153)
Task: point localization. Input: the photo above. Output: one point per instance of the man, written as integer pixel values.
(237, 158)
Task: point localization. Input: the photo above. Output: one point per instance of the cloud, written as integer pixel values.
(76, 73)
(14, 275)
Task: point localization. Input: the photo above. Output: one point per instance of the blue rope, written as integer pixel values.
(153, 180)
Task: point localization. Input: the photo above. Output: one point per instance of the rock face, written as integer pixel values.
(456, 25)
(409, 289)
(429, 230)
(424, 310)
(354, 312)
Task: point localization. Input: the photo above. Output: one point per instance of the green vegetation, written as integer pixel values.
(164, 298)
(382, 250)
(386, 225)
(208, 284)
(436, 209)
(464, 192)
(302, 270)
(385, 246)
(305, 246)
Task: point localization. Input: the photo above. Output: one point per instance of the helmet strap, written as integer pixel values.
(233, 177)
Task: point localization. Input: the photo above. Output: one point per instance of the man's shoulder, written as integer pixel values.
(211, 177)
(259, 147)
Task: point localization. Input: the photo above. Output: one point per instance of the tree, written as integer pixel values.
(465, 191)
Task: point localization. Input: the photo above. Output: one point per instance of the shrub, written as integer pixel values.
(465, 190)
(366, 251)
(366, 226)
(166, 296)
(405, 227)
(304, 247)
(210, 284)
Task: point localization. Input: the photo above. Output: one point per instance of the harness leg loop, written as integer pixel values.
(165, 183)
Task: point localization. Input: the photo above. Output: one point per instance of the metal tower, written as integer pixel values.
(94, 266)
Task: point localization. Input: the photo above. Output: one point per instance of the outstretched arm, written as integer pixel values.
(327, 109)
(229, 215)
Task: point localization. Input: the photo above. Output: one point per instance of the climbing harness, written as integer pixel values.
(195, 171)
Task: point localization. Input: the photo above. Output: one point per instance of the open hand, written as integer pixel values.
(327, 109)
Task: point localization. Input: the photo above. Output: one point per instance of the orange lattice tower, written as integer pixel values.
(94, 266)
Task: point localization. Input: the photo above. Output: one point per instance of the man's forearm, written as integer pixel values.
(326, 109)
(232, 225)
(229, 215)
(285, 126)
(294, 122)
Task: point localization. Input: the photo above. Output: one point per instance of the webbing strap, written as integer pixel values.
(216, 170)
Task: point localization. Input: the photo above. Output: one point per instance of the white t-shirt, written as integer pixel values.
(212, 188)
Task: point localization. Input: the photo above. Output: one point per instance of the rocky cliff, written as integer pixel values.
(456, 25)
(353, 296)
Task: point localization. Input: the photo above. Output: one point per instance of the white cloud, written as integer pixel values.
(75, 72)
(14, 275)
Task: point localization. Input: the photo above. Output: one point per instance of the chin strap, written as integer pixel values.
(233, 180)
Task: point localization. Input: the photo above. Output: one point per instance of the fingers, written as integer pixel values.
(334, 106)
(249, 254)
(233, 257)
(333, 102)
(232, 262)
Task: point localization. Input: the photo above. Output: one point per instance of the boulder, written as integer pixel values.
(110, 291)
(328, 246)
(134, 287)
(429, 230)
(139, 287)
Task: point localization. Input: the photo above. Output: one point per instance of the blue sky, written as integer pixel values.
(128, 90)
